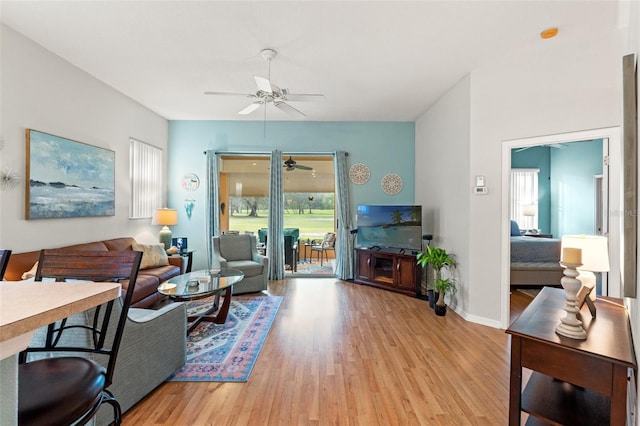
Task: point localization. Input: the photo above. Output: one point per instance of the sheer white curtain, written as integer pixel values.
(275, 246)
(213, 200)
(524, 197)
(344, 241)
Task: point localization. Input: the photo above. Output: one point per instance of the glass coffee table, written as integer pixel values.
(203, 283)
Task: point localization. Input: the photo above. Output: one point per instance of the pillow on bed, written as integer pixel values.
(515, 229)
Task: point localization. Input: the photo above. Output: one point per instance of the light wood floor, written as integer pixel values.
(340, 353)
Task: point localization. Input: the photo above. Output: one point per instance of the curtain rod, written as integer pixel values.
(269, 153)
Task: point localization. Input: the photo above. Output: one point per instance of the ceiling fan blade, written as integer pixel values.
(301, 167)
(304, 97)
(263, 84)
(288, 109)
(246, 95)
(248, 110)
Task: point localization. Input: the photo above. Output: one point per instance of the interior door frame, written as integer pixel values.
(613, 218)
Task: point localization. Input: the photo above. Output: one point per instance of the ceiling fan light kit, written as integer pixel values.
(292, 164)
(271, 93)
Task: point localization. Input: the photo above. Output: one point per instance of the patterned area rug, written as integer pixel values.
(227, 352)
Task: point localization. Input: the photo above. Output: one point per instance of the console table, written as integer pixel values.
(572, 381)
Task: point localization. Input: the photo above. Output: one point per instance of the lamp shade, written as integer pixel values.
(595, 253)
(165, 216)
(529, 210)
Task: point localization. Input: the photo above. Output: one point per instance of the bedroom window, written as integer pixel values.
(524, 197)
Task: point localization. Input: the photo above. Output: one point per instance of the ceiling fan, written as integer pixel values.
(553, 145)
(270, 93)
(291, 164)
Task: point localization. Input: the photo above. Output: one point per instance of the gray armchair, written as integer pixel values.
(241, 252)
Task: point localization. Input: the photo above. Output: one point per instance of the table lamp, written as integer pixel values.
(595, 257)
(529, 211)
(582, 255)
(165, 217)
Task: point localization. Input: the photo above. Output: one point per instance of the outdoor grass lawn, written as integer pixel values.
(312, 226)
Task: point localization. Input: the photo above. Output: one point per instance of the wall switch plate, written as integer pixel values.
(481, 190)
(479, 180)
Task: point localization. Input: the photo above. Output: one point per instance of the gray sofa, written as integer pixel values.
(240, 252)
(153, 347)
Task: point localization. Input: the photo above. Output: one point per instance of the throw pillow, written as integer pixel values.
(31, 272)
(153, 255)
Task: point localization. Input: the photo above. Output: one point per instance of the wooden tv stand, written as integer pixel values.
(390, 270)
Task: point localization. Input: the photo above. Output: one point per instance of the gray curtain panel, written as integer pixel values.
(275, 246)
(213, 201)
(344, 240)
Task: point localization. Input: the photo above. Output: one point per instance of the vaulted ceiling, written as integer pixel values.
(373, 61)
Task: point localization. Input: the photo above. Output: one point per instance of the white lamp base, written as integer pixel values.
(570, 325)
(165, 237)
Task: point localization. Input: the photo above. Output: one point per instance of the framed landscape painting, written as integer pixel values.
(66, 178)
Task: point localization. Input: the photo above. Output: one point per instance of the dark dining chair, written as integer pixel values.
(4, 261)
(67, 389)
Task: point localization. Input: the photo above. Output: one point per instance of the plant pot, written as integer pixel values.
(441, 310)
(431, 297)
(434, 299)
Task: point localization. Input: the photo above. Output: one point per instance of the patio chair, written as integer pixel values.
(328, 244)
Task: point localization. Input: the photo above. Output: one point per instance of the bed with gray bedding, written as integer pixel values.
(535, 261)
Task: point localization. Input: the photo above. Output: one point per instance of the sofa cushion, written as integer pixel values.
(162, 273)
(123, 243)
(145, 285)
(153, 255)
(249, 267)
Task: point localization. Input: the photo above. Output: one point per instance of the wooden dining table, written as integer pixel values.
(26, 306)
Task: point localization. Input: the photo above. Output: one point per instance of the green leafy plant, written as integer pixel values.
(439, 259)
(444, 286)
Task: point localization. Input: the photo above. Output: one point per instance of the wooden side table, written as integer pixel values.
(573, 381)
(188, 254)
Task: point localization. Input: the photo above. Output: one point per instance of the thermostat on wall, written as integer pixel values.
(481, 190)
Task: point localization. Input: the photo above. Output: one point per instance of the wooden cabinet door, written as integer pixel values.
(363, 270)
(405, 272)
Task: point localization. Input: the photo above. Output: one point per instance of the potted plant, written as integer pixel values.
(439, 259)
(443, 286)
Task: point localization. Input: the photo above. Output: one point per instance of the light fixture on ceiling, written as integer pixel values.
(549, 33)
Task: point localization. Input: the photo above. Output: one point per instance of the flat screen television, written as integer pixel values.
(397, 227)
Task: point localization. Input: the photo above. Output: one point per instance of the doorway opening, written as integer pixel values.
(555, 217)
(309, 206)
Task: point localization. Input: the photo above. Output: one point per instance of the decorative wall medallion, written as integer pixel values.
(359, 173)
(190, 182)
(392, 184)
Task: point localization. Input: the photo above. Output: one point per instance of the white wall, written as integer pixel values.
(564, 85)
(42, 91)
(442, 180)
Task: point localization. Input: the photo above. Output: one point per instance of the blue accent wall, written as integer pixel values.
(385, 147)
(565, 184)
(572, 187)
(537, 157)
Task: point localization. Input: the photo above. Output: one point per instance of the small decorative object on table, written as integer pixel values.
(570, 325)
